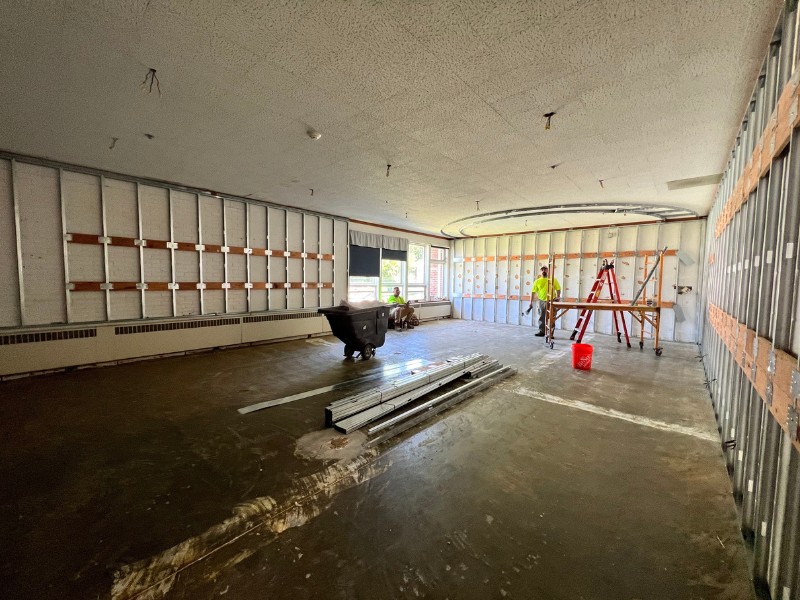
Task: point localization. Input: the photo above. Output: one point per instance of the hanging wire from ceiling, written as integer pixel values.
(151, 79)
(548, 117)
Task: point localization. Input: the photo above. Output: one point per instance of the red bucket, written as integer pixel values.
(582, 357)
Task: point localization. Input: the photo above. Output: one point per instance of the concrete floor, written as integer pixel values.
(142, 481)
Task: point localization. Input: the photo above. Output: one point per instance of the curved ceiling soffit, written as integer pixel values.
(458, 227)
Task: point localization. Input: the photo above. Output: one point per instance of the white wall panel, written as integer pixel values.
(258, 263)
(311, 266)
(82, 203)
(277, 263)
(187, 263)
(478, 278)
(83, 215)
(155, 212)
(589, 267)
(39, 201)
(122, 219)
(236, 235)
(458, 272)
(571, 274)
(515, 291)
(688, 276)
(294, 267)
(502, 283)
(326, 228)
(340, 245)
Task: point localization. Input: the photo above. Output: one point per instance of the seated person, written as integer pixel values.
(403, 312)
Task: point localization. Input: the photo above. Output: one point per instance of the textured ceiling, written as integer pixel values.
(451, 93)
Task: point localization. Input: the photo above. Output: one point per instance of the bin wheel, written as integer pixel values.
(619, 337)
(348, 352)
(658, 351)
(368, 352)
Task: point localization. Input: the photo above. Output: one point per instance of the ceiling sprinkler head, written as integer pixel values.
(313, 134)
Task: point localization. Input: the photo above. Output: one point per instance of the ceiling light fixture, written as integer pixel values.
(313, 133)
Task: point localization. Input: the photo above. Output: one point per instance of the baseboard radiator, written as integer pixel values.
(44, 350)
(428, 311)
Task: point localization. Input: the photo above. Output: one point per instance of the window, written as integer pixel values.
(423, 276)
(392, 272)
(362, 289)
(438, 273)
(416, 272)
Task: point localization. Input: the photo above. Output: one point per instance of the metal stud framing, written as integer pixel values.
(65, 250)
(173, 275)
(225, 284)
(23, 315)
(139, 284)
(140, 233)
(106, 274)
(248, 251)
(200, 254)
(751, 285)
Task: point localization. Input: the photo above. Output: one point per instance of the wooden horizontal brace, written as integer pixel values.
(122, 241)
(773, 367)
(125, 286)
(774, 139)
(85, 286)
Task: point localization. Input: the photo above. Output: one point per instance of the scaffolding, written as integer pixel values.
(645, 311)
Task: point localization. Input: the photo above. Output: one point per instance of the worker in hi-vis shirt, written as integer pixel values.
(539, 292)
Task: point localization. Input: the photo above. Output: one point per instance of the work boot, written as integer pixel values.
(539, 334)
(410, 326)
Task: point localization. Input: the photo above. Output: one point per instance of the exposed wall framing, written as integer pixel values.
(750, 341)
(492, 276)
(81, 246)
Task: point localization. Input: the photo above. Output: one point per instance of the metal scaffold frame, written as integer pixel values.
(644, 312)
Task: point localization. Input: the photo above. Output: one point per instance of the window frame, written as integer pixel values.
(404, 284)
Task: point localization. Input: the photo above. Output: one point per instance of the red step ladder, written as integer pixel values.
(606, 275)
